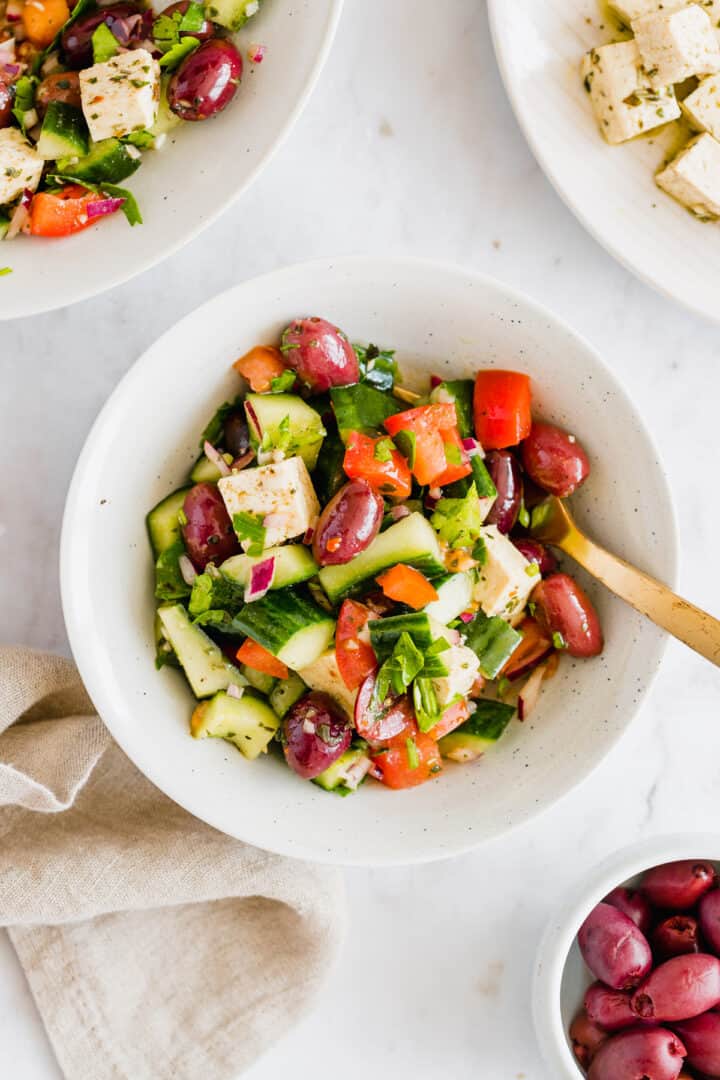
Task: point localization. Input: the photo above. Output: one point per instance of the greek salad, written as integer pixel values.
(85, 92)
(347, 572)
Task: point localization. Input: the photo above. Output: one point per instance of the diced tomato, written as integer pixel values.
(260, 366)
(396, 767)
(388, 477)
(259, 659)
(380, 722)
(63, 212)
(407, 586)
(534, 646)
(355, 658)
(432, 443)
(453, 717)
(501, 405)
(42, 19)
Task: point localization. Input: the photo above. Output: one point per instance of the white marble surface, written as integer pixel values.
(407, 145)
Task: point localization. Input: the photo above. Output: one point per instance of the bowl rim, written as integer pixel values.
(561, 931)
(121, 276)
(76, 623)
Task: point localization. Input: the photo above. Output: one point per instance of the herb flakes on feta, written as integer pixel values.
(626, 103)
(121, 95)
(675, 45)
(20, 166)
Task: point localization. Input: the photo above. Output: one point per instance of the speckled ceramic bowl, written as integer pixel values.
(440, 319)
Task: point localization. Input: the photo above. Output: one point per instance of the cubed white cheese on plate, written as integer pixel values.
(324, 675)
(693, 177)
(628, 10)
(281, 494)
(121, 95)
(675, 45)
(625, 103)
(20, 166)
(506, 579)
(463, 667)
(702, 107)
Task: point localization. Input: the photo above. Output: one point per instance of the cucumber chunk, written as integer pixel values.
(493, 641)
(204, 471)
(384, 633)
(285, 422)
(411, 541)
(286, 693)
(108, 161)
(205, 667)
(247, 722)
(162, 522)
(293, 564)
(342, 777)
(258, 679)
(292, 628)
(479, 733)
(454, 597)
(64, 132)
(232, 14)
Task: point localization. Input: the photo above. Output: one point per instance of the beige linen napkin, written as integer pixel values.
(155, 946)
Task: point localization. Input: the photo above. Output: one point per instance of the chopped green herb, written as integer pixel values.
(412, 753)
(144, 140)
(532, 569)
(250, 527)
(193, 19)
(169, 582)
(504, 686)
(384, 450)
(452, 454)
(104, 44)
(459, 521)
(5, 270)
(559, 641)
(281, 383)
(427, 708)
(176, 53)
(24, 98)
(378, 367)
(523, 515)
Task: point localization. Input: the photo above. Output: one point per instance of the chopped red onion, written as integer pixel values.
(188, 571)
(357, 772)
(256, 53)
(101, 207)
(252, 417)
(216, 458)
(261, 578)
(19, 219)
(242, 461)
(467, 616)
(530, 694)
(124, 28)
(13, 10)
(308, 537)
(430, 502)
(12, 69)
(435, 493)
(453, 636)
(397, 513)
(235, 691)
(435, 380)
(472, 447)
(308, 727)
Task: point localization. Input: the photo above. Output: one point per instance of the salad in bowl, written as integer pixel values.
(346, 577)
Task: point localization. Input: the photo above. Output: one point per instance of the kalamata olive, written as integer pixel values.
(206, 31)
(535, 552)
(555, 460)
(316, 733)
(586, 1038)
(507, 478)
(76, 41)
(654, 1054)
(609, 1009)
(236, 436)
(678, 885)
(208, 531)
(709, 915)
(378, 721)
(348, 524)
(63, 86)
(6, 103)
(206, 81)
(679, 989)
(614, 949)
(563, 608)
(633, 904)
(320, 353)
(675, 937)
(701, 1037)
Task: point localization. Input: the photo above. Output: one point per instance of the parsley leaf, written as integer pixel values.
(459, 521)
(249, 528)
(412, 753)
(24, 98)
(177, 53)
(378, 367)
(283, 382)
(104, 44)
(427, 708)
(142, 139)
(384, 449)
(212, 592)
(169, 582)
(193, 19)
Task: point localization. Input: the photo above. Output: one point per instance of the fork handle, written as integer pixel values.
(650, 597)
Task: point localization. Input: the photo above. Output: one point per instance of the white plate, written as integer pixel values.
(611, 189)
(200, 171)
(441, 319)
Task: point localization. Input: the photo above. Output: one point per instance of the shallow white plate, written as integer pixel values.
(202, 168)
(441, 319)
(611, 189)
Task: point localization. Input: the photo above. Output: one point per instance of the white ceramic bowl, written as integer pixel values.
(201, 170)
(561, 978)
(441, 319)
(611, 189)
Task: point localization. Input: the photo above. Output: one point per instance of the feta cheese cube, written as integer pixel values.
(324, 675)
(121, 95)
(702, 107)
(693, 177)
(506, 580)
(625, 103)
(675, 45)
(628, 10)
(282, 495)
(20, 166)
(463, 669)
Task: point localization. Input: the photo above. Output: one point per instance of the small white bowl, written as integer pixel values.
(200, 171)
(440, 319)
(561, 977)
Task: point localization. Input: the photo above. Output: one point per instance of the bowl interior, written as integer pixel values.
(201, 168)
(442, 320)
(539, 49)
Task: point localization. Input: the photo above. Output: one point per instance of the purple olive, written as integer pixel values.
(678, 885)
(609, 1009)
(348, 524)
(320, 353)
(679, 989)
(316, 733)
(586, 1038)
(676, 936)
(701, 1037)
(236, 436)
(555, 460)
(655, 1054)
(206, 81)
(206, 31)
(208, 532)
(614, 949)
(709, 915)
(537, 553)
(633, 904)
(124, 19)
(563, 608)
(6, 103)
(507, 478)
